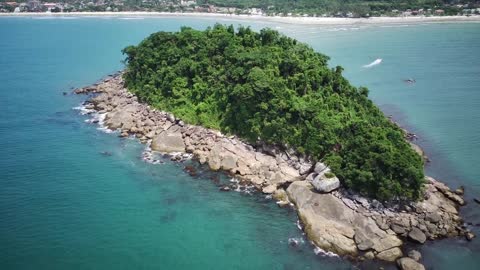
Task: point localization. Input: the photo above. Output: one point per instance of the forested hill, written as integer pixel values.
(332, 6)
(271, 88)
(338, 8)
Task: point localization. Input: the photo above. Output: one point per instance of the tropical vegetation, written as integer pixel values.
(266, 87)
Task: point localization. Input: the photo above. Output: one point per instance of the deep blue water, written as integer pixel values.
(64, 205)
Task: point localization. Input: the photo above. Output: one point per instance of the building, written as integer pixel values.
(34, 5)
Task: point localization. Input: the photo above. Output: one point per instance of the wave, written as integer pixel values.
(321, 252)
(247, 188)
(149, 156)
(374, 63)
(96, 118)
(83, 110)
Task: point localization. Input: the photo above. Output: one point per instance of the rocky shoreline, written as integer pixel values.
(333, 218)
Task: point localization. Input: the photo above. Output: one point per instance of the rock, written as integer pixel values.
(319, 167)
(328, 227)
(228, 162)
(460, 190)
(290, 173)
(224, 188)
(363, 242)
(170, 117)
(121, 119)
(293, 242)
(283, 203)
(324, 184)
(376, 204)
(417, 235)
(311, 176)
(415, 255)
(433, 217)
(333, 226)
(476, 200)
(280, 195)
(304, 168)
(269, 189)
(406, 263)
(149, 122)
(369, 255)
(398, 229)
(167, 142)
(469, 236)
(390, 255)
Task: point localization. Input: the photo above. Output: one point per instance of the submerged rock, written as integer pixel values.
(415, 255)
(469, 236)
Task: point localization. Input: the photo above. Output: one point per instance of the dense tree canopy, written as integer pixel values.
(268, 87)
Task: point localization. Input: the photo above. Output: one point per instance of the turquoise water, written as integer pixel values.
(65, 205)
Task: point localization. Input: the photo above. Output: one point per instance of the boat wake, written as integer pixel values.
(374, 63)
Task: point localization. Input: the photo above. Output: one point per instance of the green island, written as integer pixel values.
(266, 87)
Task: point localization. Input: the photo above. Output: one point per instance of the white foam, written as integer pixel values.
(295, 241)
(299, 226)
(247, 189)
(321, 252)
(374, 63)
(83, 110)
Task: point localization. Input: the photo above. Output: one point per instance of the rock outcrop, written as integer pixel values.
(334, 226)
(409, 264)
(334, 219)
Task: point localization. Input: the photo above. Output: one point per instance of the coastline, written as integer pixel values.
(277, 19)
(350, 225)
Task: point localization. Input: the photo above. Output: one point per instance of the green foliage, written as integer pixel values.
(269, 87)
(329, 175)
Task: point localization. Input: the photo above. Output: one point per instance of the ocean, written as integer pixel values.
(75, 197)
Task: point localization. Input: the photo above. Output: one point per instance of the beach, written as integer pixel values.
(276, 19)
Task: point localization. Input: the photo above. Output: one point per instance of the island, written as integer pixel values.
(268, 110)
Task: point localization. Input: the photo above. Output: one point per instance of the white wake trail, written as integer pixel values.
(374, 63)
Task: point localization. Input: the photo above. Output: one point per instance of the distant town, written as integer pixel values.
(362, 9)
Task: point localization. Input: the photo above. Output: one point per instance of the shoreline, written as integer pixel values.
(347, 224)
(276, 19)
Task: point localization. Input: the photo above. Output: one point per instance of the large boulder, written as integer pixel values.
(326, 182)
(334, 226)
(325, 218)
(406, 263)
(121, 118)
(166, 142)
(320, 167)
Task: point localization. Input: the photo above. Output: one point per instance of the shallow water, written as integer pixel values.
(65, 205)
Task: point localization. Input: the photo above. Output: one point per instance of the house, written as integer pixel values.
(34, 5)
(440, 12)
